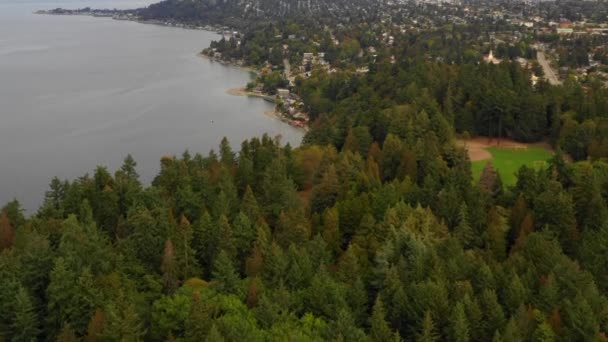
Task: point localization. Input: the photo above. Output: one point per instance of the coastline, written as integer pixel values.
(271, 113)
(227, 63)
(241, 91)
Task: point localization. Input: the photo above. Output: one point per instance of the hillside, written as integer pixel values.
(216, 11)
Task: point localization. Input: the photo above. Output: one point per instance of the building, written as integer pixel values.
(491, 59)
(283, 93)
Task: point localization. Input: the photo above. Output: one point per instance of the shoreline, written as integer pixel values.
(232, 64)
(240, 91)
(271, 113)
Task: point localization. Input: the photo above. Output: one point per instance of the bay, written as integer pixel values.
(77, 92)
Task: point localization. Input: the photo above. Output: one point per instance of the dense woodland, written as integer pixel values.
(481, 99)
(367, 241)
(372, 230)
(439, 73)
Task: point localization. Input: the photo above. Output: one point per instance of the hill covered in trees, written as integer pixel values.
(376, 241)
(372, 230)
(234, 12)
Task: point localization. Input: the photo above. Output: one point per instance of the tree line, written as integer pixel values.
(371, 241)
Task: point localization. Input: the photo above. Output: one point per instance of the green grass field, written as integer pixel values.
(508, 160)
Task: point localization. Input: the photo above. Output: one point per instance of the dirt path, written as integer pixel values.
(477, 147)
(549, 72)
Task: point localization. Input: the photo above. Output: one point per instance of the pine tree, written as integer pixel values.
(129, 167)
(205, 241)
(225, 275)
(344, 326)
(244, 235)
(186, 257)
(227, 156)
(95, 327)
(331, 229)
(254, 263)
(511, 332)
(7, 233)
(489, 180)
(580, 321)
(459, 324)
(493, 314)
(427, 332)
(214, 335)
(199, 320)
(463, 231)
(544, 333)
(475, 318)
(325, 194)
(250, 206)
(380, 330)
(226, 239)
(253, 293)
(24, 322)
(169, 268)
(86, 298)
(122, 323)
(66, 334)
(515, 294)
(60, 292)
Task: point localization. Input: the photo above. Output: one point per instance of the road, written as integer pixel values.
(549, 72)
(287, 68)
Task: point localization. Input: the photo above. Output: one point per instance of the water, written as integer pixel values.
(77, 92)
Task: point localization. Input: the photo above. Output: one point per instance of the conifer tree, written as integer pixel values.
(214, 335)
(463, 231)
(24, 322)
(199, 320)
(122, 323)
(459, 324)
(7, 233)
(225, 275)
(380, 330)
(95, 327)
(427, 331)
(168, 268)
(331, 229)
(67, 334)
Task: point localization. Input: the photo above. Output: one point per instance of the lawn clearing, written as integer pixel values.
(508, 160)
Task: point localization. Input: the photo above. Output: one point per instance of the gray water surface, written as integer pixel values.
(77, 92)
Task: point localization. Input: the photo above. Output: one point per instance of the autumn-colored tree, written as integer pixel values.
(168, 268)
(67, 334)
(7, 233)
(95, 327)
(331, 229)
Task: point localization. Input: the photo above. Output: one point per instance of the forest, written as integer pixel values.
(367, 241)
(372, 230)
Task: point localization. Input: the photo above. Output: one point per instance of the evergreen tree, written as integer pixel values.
(122, 323)
(59, 293)
(95, 327)
(67, 334)
(459, 325)
(7, 232)
(199, 320)
(214, 335)
(25, 322)
(380, 330)
(225, 275)
(427, 332)
(493, 314)
(463, 231)
(168, 268)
